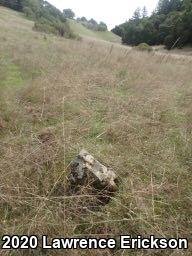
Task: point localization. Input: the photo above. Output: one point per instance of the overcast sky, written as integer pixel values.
(112, 12)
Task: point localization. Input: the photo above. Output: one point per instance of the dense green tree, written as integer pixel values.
(46, 16)
(83, 19)
(144, 12)
(167, 6)
(102, 26)
(163, 7)
(28, 12)
(169, 24)
(92, 24)
(68, 14)
(187, 5)
(119, 30)
(137, 14)
(13, 4)
(175, 5)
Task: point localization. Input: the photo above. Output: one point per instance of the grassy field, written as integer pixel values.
(130, 109)
(81, 30)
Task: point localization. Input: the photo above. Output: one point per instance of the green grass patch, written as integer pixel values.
(81, 30)
(10, 74)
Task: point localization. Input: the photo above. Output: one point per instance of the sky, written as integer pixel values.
(112, 12)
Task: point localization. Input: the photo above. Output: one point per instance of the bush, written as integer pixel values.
(169, 41)
(42, 25)
(68, 14)
(56, 28)
(144, 47)
(28, 12)
(102, 26)
(63, 30)
(92, 24)
(47, 17)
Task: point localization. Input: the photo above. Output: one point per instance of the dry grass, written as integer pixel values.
(132, 110)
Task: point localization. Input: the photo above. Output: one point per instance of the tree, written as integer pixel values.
(170, 24)
(68, 14)
(187, 5)
(28, 12)
(118, 30)
(163, 7)
(102, 26)
(144, 12)
(83, 19)
(13, 4)
(175, 5)
(167, 6)
(93, 22)
(137, 14)
(47, 18)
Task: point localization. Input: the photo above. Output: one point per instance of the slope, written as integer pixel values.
(81, 30)
(130, 109)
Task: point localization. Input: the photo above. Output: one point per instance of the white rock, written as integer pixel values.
(85, 169)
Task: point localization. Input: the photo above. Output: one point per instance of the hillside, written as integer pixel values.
(132, 110)
(81, 30)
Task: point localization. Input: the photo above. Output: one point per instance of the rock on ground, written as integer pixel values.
(86, 170)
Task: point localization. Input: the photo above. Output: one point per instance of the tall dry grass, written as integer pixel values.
(132, 110)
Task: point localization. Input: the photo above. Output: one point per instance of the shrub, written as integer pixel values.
(102, 26)
(44, 26)
(47, 17)
(169, 41)
(92, 24)
(28, 12)
(56, 28)
(68, 14)
(144, 47)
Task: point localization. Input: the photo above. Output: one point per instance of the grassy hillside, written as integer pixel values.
(130, 109)
(81, 30)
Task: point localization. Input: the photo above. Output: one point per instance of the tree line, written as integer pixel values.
(49, 19)
(170, 24)
(46, 16)
(92, 24)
